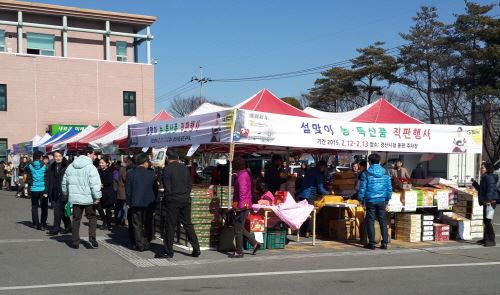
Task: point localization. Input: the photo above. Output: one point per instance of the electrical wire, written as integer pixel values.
(304, 72)
(177, 94)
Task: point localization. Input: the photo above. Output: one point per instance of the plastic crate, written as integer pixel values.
(248, 246)
(276, 238)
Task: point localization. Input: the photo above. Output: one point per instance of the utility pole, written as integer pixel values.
(202, 80)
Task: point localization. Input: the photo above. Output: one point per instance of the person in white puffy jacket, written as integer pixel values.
(82, 184)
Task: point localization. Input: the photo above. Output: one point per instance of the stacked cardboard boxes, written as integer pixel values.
(408, 227)
(460, 227)
(468, 207)
(344, 183)
(441, 232)
(205, 217)
(427, 228)
(224, 196)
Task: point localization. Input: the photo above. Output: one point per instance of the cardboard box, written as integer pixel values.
(428, 228)
(427, 223)
(342, 187)
(476, 222)
(438, 227)
(406, 230)
(344, 175)
(409, 197)
(477, 229)
(476, 235)
(428, 233)
(428, 217)
(349, 181)
(407, 216)
(427, 238)
(442, 238)
(344, 230)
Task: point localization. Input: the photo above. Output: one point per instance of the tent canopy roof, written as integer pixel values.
(162, 116)
(118, 133)
(380, 111)
(263, 101)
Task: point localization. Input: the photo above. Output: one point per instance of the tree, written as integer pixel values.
(345, 89)
(293, 102)
(427, 52)
(332, 91)
(371, 66)
(183, 106)
(476, 37)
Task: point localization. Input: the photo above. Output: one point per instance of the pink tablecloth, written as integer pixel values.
(292, 213)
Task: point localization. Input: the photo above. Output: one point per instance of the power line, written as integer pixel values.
(173, 91)
(286, 75)
(192, 87)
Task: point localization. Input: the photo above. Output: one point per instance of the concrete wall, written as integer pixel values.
(49, 90)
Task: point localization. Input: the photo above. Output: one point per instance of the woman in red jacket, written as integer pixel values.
(242, 203)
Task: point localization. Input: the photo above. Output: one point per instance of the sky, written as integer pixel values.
(236, 38)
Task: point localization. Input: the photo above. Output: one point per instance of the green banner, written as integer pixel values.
(56, 128)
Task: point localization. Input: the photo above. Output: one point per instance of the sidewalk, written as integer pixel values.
(16, 220)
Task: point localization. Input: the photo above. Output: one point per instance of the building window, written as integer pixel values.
(129, 103)
(3, 149)
(121, 51)
(2, 41)
(3, 97)
(40, 44)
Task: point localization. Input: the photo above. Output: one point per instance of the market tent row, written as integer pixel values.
(118, 133)
(61, 145)
(58, 137)
(268, 121)
(83, 142)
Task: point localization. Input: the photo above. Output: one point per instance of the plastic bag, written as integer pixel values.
(490, 211)
(68, 209)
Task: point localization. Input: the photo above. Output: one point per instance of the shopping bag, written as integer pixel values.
(226, 240)
(68, 209)
(490, 211)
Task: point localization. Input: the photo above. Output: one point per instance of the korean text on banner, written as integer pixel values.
(193, 130)
(279, 130)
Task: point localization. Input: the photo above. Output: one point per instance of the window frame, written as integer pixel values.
(5, 87)
(2, 38)
(127, 103)
(4, 156)
(41, 51)
(118, 45)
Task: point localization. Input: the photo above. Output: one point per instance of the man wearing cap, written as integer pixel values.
(177, 185)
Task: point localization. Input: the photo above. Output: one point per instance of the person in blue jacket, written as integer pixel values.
(311, 186)
(37, 173)
(375, 191)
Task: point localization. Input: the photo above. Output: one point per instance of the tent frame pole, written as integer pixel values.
(230, 159)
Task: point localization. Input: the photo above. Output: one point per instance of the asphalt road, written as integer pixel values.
(33, 263)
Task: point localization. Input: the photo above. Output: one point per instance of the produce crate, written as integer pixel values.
(248, 246)
(276, 238)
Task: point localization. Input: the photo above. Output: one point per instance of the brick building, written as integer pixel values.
(66, 65)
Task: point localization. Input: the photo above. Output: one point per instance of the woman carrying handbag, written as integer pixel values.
(242, 203)
(488, 197)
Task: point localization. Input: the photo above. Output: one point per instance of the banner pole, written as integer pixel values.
(230, 159)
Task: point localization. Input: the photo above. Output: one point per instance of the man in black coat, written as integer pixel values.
(272, 176)
(177, 185)
(55, 173)
(141, 193)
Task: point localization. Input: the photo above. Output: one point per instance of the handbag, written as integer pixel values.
(490, 212)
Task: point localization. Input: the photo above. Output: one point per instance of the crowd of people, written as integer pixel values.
(126, 193)
(120, 193)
